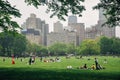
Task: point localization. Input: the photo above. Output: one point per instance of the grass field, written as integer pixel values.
(57, 70)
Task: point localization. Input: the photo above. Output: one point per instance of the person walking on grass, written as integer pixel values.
(30, 60)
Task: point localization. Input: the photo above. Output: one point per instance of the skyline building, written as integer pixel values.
(99, 30)
(73, 33)
(79, 28)
(105, 30)
(60, 35)
(72, 19)
(58, 27)
(66, 37)
(35, 30)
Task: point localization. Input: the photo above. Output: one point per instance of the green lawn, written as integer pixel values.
(57, 70)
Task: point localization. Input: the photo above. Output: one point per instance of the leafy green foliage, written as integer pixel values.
(6, 13)
(111, 11)
(34, 49)
(71, 49)
(19, 45)
(12, 43)
(105, 45)
(89, 47)
(58, 49)
(116, 45)
(60, 8)
(109, 45)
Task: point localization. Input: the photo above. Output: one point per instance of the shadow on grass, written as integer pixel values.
(41, 74)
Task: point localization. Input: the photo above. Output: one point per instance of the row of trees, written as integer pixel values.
(109, 45)
(14, 43)
(100, 46)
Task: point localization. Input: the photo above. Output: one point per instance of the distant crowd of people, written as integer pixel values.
(44, 59)
(94, 66)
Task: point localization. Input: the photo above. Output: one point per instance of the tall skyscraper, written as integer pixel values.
(58, 27)
(99, 30)
(61, 35)
(79, 28)
(35, 30)
(72, 19)
(105, 30)
(101, 16)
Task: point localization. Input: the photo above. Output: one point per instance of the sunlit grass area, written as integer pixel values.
(21, 70)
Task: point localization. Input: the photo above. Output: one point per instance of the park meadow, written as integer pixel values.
(21, 70)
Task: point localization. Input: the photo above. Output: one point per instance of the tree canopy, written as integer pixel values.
(89, 47)
(59, 8)
(11, 43)
(6, 13)
(111, 11)
(57, 49)
(109, 45)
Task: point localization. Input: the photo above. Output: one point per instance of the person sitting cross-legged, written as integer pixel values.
(93, 67)
(84, 66)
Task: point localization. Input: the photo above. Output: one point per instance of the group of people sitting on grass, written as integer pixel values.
(52, 60)
(32, 59)
(95, 66)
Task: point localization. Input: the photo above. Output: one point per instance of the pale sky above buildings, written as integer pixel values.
(89, 18)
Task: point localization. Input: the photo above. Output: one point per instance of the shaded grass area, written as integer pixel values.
(64, 74)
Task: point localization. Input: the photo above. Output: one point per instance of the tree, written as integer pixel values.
(19, 45)
(105, 45)
(116, 45)
(6, 41)
(12, 43)
(6, 13)
(109, 45)
(89, 47)
(34, 49)
(0, 48)
(44, 51)
(71, 49)
(111, 11)
(59, 8)
(58, 49)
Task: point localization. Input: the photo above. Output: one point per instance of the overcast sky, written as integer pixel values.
(90, 17)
